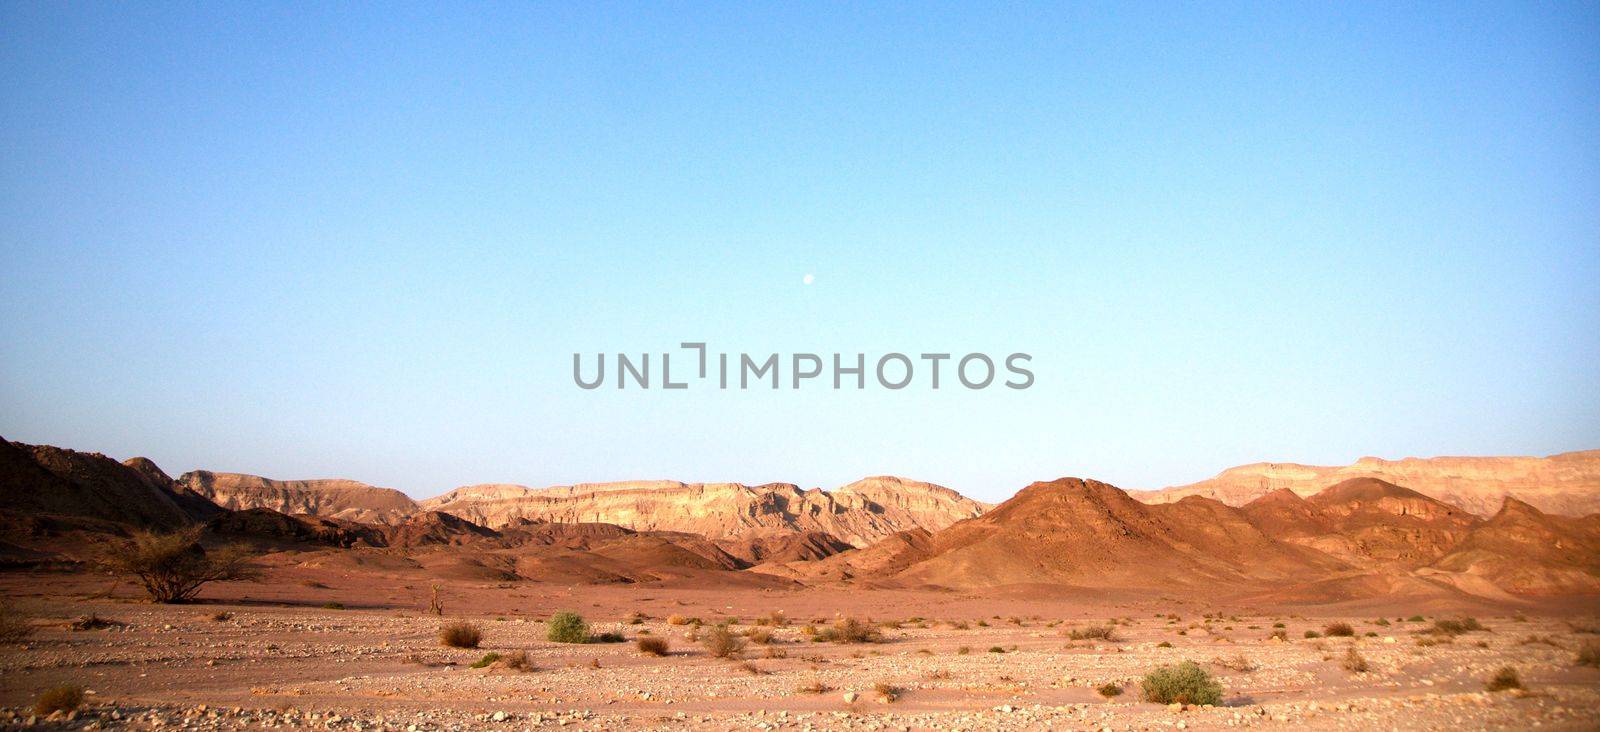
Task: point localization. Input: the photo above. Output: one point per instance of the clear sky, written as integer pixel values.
(365, 241)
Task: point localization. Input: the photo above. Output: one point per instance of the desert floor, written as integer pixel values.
(269, 654)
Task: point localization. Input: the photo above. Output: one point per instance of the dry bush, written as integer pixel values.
(94, 622)
(937, 674)
(722, 643)
(222, 616)
(460, 634)
(759, 636)
(1588, 654)
(1505, 678)
(753, 669)
(516, 661)
(815, 687)
(636, 618)
(1185, 683)
(1164, 644)
(776, 618)
(64, 698)
(1455, 627)
(1094, 632)
(14, 628)
(608, 636)
(682, 620)
(1237, 662)
(1544, 639)
(1338, 630)
(173, 567)
(887, 691)
(652, 646)
(1354, 662)
(1313, 634)
(1442, 640)
(1109, 690)
(849, 630)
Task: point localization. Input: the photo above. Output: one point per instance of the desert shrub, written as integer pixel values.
(333, 606)
(14, 628)
(173, 567)
(964, 650)
(887, 691)
(222, 616)
(1109, 690)
(93, 622)
(1313, 634)
(1354, 662)
(516, 661)
(723, 643)
(1442, 640)
(1237, 662)
(487, 659)
(1381, 622)
(759, 636)
(1414, 619)
(652, 646)
(636, 618)
(996, 649)
(1093, 632)
(1280, 634)
(1278, 625)
(815, 687)
(460, 635)
(607, 636)
(1185, 683)
(1338, 630)
(1164, 644)
(64, 698)
(567, 627)
(1455, 627)
(1588, 654)
(849, 630)
(1505, 678)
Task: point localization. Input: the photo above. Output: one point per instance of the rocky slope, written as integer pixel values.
(46, 480)
(858, 514)
(1567, 484)
(334, 498)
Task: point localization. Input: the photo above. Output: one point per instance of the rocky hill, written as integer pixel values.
(1567, 484)
(858, 514)
(47, 480)
(333, 498)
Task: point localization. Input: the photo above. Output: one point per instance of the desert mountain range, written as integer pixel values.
(1355, 537)
(1567, 484)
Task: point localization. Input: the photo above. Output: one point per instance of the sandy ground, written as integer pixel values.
(278, 658)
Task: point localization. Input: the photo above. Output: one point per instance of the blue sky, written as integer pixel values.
(365, 241)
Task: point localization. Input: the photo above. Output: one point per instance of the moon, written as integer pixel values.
(808, 279)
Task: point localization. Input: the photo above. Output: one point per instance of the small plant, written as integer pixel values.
(636, 618)
(1278, 625)
(1381, 622)
(1185, 683)
(964, 650)
(487, 659)
(1589, 655)
(759, 636)
(516, 661)
(567, 627)
(996, 649)
(64, 698)
(886, 691)
(460, 635)
(815, 687)
(722, 643)
(1094, 632)
(1164, 644)
(1109, 690)
(682, 620)
(1415, 619)
(1338, 630)
(222, 616)
(1505, 678)
(652, 646)
(333, 606)
(1313, 634)
(1354, 662)
(608, 636)
(1455, 627)
(1280, 634)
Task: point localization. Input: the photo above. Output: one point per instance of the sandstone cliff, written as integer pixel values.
(859, 513)
(340, 499)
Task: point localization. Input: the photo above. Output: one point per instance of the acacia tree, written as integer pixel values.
(173, 567)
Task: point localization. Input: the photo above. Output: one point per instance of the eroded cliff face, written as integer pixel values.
(333, 498)
(859, 513)
(1567, 484)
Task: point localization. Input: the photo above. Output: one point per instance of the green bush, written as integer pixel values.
(487, 659)
(1185, 683)
(567, 627)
